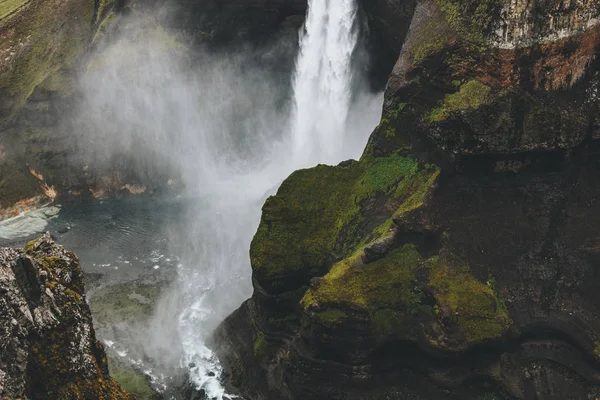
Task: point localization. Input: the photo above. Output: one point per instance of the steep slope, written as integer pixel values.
(457, 258)
(42, 44)
(49, 349)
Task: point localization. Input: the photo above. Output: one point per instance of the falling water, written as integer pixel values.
(221, 124)
(322, 101)
(322, 84)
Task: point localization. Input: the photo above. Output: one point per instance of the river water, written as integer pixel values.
(233, 145)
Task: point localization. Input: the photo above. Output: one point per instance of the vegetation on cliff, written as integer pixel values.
(325, 221)
(318, 212)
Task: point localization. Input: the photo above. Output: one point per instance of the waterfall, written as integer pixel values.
(221, 125)
(317, 134)
(322, 82)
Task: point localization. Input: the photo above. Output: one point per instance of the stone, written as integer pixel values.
(49, 345)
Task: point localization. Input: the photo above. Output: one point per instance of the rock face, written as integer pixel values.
(230, 20)
(49, 349)
(42, 44)
(458, 257)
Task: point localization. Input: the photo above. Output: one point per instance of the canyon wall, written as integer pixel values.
(457, 258)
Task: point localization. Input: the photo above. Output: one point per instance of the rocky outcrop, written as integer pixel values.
(49, 349)
(481, 78)
(457, 258)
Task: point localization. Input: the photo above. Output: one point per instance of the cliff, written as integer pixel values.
(49, 349)
(42, 44)
(457, 258)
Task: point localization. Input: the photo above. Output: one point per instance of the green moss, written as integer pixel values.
(260, 345)
(382, 284)
(103, 7)
(597, 350)
(129, 301)
(7, 7)
(30, 245)
(473, 19)
(44, 54)
(319, 211)
(392, 295)
(332, 318)
(132, 381)
(415, 190)
(387, 321)
(103, 26)
(390, 115)
(473, 305)
(430, 39)
(471, 95)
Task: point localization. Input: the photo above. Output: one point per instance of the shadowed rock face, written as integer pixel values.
(231, 20)
(457, 258)
(461, 87)
(49, 349)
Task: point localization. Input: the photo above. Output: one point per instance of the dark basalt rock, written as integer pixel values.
(49, 348)
(470, 275)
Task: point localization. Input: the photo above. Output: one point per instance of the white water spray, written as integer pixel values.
(221, 125)
(318, 134)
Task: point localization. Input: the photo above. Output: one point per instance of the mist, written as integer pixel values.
(226, 128)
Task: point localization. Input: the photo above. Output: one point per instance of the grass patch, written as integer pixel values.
(7, 7)
(131, 380)
(260, 345)
(470, 95)
(473, 305)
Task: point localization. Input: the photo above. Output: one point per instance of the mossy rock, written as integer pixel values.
(471, 95)
(65, 359)
(320, 214)
(260, 346)
(474, 19)
(408, 297)
(473, 305)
